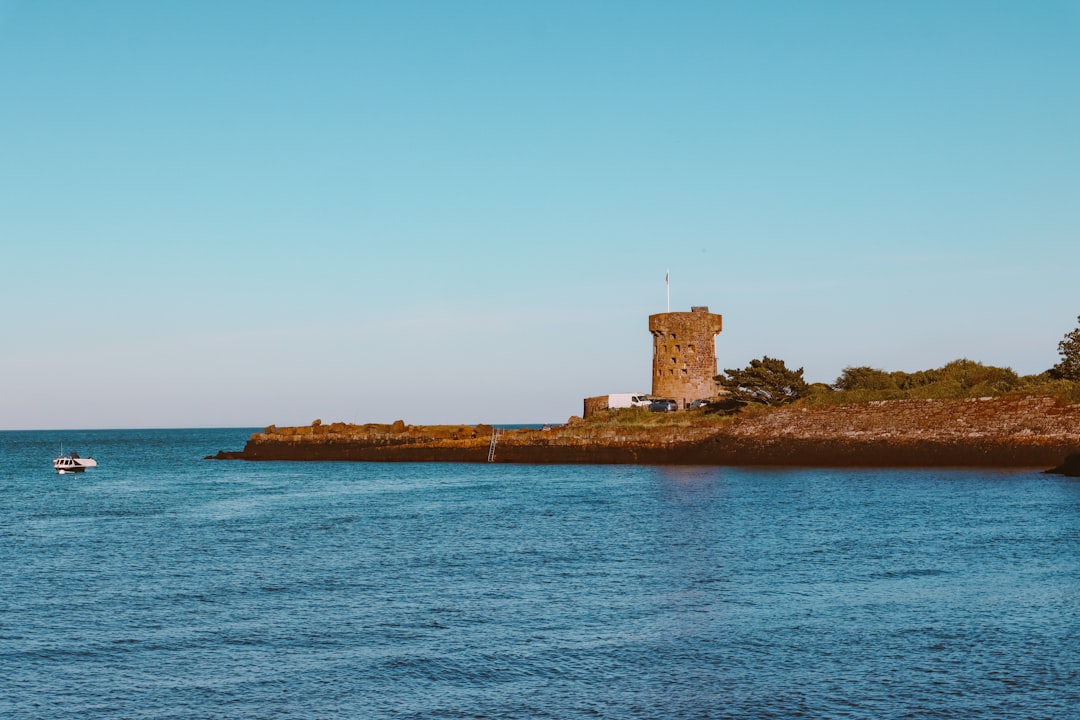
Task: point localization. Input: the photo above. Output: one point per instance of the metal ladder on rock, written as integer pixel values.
(494, 441)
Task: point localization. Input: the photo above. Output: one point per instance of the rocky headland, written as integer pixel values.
(1035, 432)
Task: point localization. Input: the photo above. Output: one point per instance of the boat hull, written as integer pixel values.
(67, 465)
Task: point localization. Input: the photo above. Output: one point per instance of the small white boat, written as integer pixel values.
(72, 463)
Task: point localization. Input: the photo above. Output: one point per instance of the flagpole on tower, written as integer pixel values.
(667, 281)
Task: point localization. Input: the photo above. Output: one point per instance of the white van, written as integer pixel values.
(625, 400)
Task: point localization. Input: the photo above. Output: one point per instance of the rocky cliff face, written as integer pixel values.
(1001, 432)
(1017, 420)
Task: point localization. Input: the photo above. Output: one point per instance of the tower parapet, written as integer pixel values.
(684, 354)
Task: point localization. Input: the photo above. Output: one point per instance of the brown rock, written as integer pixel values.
(1069, 468)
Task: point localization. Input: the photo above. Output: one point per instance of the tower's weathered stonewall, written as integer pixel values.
(684, 354)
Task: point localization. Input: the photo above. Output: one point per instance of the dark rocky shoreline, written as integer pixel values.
(1069, 468)
(998, 432)
(721, 451)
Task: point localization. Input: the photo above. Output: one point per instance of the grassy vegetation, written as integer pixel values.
(768, 379)
(960, 379)
(640, 417)
(957, 380)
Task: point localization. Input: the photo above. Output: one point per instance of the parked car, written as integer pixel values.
(663, 406)
(697, 404)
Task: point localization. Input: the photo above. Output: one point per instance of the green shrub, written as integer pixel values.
(1069, 349)
(865, 378)
(767, 381)
(958, 379)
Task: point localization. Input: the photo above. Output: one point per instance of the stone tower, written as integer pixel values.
(684, 354)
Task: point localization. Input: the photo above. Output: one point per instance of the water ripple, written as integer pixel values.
(163, 586)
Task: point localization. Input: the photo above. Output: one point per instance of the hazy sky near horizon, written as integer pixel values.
(253, 212)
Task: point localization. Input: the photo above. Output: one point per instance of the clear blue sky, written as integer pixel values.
(244, 213)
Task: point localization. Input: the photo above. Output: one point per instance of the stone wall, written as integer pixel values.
(594, 405)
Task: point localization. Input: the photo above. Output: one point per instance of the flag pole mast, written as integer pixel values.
(667, 281)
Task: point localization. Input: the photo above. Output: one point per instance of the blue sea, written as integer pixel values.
(162, 585)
